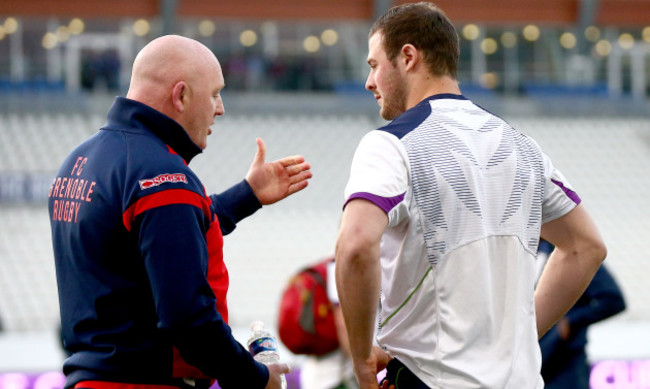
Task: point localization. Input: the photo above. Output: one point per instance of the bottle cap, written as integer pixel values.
(257, 325)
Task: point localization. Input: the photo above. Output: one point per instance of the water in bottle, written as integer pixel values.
(264, 347)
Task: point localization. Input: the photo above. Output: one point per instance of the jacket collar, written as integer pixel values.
(135, 116)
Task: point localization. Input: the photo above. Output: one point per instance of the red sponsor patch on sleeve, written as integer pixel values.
(162, 179)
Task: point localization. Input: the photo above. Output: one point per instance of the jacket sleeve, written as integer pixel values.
(234, 205)
(550, 344)
(172, 241)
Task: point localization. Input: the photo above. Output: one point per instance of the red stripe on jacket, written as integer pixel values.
(165, 197)
(217, 274)
(118, 385)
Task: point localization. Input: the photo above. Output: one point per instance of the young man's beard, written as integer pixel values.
(395, 100)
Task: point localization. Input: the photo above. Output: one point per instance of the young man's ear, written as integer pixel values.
(179, 96)
(410, 56)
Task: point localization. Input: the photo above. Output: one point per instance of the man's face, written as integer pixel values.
(385, 80)
(205, 104)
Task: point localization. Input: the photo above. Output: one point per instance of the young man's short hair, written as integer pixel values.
(426, 27)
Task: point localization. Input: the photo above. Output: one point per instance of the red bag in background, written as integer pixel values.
(306, 317)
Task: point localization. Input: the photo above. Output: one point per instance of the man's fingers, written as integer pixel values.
(280, 368)
(297, 169)
(300, 176)
(297, 187)
(292, 160)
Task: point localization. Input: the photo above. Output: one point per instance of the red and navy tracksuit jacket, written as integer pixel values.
(139, 263)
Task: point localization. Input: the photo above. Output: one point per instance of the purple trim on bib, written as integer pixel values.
(571, 194)
(385, 203)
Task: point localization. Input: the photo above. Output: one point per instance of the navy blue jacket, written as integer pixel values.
(138, 254)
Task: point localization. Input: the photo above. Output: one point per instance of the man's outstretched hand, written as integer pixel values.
(273, 181)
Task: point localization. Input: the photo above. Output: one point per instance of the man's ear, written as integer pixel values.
(180, 96)
(410, 56)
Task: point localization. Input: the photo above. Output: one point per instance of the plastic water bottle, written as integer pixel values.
(264, 347)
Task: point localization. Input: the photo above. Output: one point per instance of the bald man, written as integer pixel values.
(138, 243)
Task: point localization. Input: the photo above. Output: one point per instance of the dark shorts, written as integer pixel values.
(399, 375)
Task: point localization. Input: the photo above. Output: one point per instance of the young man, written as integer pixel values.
(138, 243)
(444, 209)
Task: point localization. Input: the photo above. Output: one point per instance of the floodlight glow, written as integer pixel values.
(329, 37)
(207, 28)
(311, 44)
(603, 48)
(645, 33)
(509, 39)
(76, 26)
(626, 41)
(62, 34)
(49, 40)
(471, 32)
(11, 25)
(489, 46)
(531, 33)
(248, 38)
(568, 40)
(592, 33)
(489, 80)
(141, 27)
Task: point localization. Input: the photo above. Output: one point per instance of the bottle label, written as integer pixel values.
(262, 344)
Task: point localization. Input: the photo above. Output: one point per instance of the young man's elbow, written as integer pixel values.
(597, 251)
(353, 253)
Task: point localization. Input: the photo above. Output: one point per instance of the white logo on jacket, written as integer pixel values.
(161, 179)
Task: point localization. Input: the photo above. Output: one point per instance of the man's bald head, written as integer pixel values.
(165, 61)
(181, 78)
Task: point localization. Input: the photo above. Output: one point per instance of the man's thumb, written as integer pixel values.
(260, 156)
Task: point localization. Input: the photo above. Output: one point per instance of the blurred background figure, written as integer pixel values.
(333, 370)
(310, 323)
(100, 70)
(565, 363)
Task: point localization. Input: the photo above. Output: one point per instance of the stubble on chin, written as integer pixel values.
(391, 111)
(395, 105)
(386, 114)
